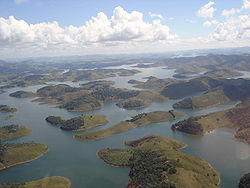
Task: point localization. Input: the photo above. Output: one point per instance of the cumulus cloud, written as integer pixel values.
(152, 15)
(210, 23)
(232, 29)
(236, 25)
(246, 4)
(121, 27)
(207, 11)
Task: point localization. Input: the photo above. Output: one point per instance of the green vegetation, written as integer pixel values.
(152, 83)
(115, 157)
(9, 117)
(223, 73)
(6, 108)
(142, 100)
(245, 181)
(10, 132)
(48, 182)
(23, 94)
(15, 154)
(136, 121)
(93, 95)
(237, 118)
(206, 100)
(185, 88)
(79, 123)
(156, 161)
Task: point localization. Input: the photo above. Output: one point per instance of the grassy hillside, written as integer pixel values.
(79, 123)
(136, 121)
(10, 132)
(48, 182)
(237, 118)
(15, 154)
(156, 161)
(209, 99)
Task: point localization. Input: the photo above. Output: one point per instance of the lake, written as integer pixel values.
(77, 160)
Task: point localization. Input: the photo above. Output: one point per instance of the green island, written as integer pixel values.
(9, 132)
(156, 161)
(20, 79)
(223, 73)
(9, 117)
(93, 95)
(152, 83)
(14, 154)
(48, 182)
(237, 118)
(23, 94)
(209, 99)
(219, 91)
(245, 181)
(136, 121)
(79, 123)
(6, 109)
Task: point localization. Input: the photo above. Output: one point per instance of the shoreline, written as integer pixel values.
(23, 162)
(117, 166)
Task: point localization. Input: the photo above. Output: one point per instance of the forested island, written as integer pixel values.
(136, 121)
(12, 154)
(9, 132)
(79, 123)
(6, 109)
(237, 118)
(156, 161)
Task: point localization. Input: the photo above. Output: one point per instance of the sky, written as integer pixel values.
(30, 28)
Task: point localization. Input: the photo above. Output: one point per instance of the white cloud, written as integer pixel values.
(210, 23)
(232, 29)
(207, 10)
(21, 1)
(100, 30)
(229, 12)
(191, 21)
(246, 4)
(152, 15)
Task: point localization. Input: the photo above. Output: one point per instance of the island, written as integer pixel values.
(13, 154)
(79, 123)
(136, 121)
(54, 181)
(93, 95)
(206, 100)
(6, 109)
(219, 91)
(237, 118)
(9, 117)
(156, 161)
(23, 94)
(9, 132)
(245, 181)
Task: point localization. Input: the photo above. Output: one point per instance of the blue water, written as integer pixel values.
(77, 160)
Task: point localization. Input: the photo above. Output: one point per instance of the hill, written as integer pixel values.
(156, 161)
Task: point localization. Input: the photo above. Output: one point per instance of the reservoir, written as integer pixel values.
(77, 160)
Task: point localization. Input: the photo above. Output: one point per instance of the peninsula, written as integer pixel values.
(156, 161)
(79, 123)
(136, 121)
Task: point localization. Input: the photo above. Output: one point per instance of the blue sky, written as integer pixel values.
(179, 20)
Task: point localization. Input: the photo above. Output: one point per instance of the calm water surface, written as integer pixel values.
(78, 161)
